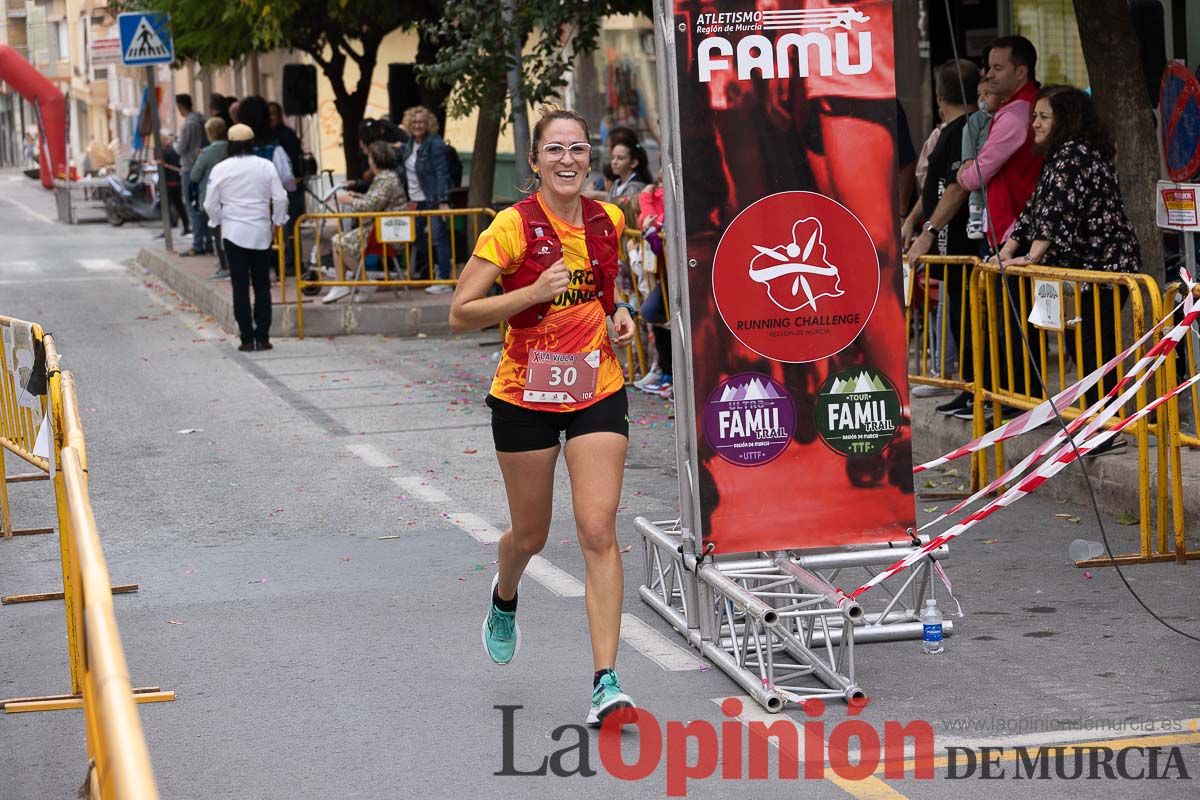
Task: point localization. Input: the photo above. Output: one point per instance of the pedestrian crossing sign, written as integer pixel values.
(145, 39)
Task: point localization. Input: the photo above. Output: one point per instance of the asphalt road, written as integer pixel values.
(313, 580)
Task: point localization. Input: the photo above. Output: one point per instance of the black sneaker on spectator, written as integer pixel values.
(961, 401)
(968, 413)
(1111, 447)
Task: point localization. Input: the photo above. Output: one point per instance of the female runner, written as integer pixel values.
(556, 256)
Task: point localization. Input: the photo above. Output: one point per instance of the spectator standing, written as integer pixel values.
(170, 169)
(189, 144)
(631, 173)
(1076, 218)
(254, 112)
(210, 156)
(245, 197)
(290, 142)
(427, 180)
(945, 210)
(1007, 167)
(614, 137)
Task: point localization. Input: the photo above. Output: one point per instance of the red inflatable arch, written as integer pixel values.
(32, 85)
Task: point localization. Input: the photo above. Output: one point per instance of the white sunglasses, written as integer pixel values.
(577, 150)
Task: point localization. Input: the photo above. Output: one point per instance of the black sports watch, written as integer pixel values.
(928, 228)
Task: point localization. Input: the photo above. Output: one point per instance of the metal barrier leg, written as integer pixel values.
(6, 524)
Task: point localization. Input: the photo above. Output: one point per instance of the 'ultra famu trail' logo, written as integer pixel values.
(796, 277)
(749, 419)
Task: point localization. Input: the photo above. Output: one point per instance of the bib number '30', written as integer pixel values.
(561, 377)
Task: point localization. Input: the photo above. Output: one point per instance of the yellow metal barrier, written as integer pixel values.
(388, 234)
(1189, 356)
(635, 353)
(941, 286)
(119, 761)
(1092, 304)
(21, 414)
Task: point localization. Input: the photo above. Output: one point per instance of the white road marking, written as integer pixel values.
(19, 266)
(753, 712)
(371, 455)
(478, 528)
(563, 584)
(414, 484)
(100, 265)
(656, 647)
(36, 215)
(43, 279)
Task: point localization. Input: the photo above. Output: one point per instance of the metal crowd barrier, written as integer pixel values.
(119, 760)
(21, 413)
(943, 357)
(1092, 308)
(641, 282)
(1187, 362)
(388, 235)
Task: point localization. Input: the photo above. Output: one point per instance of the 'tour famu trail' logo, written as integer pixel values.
(858, 411)
(795, 277)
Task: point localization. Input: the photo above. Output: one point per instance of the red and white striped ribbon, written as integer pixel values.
(1046, 411)
(1086, 441)
(1154, 355)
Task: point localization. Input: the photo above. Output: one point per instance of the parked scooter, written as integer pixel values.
(133, 199)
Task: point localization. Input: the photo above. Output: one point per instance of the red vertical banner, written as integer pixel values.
(787, 148)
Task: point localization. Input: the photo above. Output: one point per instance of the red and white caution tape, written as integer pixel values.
(1047, 410)
(1085, 442)
(1152, 360)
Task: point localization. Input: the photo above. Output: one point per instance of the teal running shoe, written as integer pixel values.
(501, 634)
(607, 697)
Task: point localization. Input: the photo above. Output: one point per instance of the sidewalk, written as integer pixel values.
(402, 312)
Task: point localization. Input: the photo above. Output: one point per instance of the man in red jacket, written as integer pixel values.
(1007, 165)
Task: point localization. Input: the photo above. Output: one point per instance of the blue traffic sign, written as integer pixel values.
(145, 38)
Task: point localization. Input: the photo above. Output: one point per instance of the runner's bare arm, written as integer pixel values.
(473, 310)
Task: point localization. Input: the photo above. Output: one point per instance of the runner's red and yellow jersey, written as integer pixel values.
(575, 322)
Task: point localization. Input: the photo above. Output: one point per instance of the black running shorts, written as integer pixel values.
(516, 429)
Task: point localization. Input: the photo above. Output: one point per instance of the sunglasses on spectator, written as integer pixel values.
(577, 150)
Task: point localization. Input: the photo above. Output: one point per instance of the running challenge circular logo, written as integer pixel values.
(858, 411)
(749, 419)
(796, 277)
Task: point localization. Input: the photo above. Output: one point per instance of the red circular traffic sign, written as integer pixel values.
(1179, 104)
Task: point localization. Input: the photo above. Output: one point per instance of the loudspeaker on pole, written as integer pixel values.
(299, 89)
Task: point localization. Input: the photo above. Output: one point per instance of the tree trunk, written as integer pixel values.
(483, 156)
(1106, 33)
(351, 109)
(433, 98)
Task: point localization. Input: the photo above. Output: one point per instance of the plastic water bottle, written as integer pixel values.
(931, 622)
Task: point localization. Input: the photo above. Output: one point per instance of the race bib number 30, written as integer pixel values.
(561, 377)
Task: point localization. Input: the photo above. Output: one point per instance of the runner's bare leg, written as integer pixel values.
(596, 462)
(529, 483)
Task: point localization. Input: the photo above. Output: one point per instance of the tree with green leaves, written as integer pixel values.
(333, 33)
(475, 53)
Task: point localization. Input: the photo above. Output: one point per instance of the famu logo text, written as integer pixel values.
(827, 44)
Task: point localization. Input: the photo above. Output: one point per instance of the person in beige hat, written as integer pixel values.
(246, 199)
